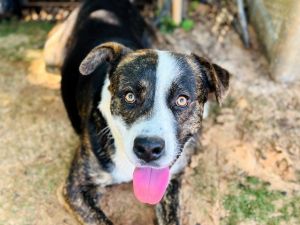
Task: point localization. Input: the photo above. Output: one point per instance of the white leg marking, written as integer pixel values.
(206, 110)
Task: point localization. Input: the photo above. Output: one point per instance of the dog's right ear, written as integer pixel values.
(108, 52)
(217, 77)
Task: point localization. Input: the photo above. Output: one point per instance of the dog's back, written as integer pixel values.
(98, 21)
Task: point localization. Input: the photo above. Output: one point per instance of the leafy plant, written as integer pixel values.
(167, 25)
(187, 25)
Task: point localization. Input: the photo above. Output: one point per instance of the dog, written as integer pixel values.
(137, 110)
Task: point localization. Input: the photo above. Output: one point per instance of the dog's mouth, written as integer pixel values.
(150, 183)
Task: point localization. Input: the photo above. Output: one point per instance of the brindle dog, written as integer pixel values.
(131, 106)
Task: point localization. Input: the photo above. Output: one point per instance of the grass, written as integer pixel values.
(16, 37)
(254, 201)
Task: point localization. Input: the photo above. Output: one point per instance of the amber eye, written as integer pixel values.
(182, 101)
(130, 98)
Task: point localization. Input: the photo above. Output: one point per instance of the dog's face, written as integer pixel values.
(153, 100)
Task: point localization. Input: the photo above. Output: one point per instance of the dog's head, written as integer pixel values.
(153, 100)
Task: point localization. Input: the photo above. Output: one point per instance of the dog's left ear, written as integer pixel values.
(216, 77)
(109, 52)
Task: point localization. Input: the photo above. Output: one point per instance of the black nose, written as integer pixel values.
(148, 148)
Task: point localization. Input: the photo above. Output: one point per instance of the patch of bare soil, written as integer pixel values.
(36, 146)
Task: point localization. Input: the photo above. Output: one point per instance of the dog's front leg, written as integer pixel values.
(167, 209)
(83, 191)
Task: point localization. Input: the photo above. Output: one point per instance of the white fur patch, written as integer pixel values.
(123, 168)
(162, 122)
(105, 16)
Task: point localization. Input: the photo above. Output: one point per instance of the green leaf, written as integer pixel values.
(187, 25)
(167, 25)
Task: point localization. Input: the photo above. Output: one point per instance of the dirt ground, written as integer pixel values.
(246, 171)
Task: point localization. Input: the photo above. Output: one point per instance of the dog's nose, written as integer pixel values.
(148, 148)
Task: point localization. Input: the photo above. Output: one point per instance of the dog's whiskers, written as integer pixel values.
(104, 130)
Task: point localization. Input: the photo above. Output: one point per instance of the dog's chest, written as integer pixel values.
(123, 169)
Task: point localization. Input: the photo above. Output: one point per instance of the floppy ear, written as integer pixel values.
(216, 77)
(108, 52)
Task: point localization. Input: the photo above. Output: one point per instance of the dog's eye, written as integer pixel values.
(130, 98)
(182, 101)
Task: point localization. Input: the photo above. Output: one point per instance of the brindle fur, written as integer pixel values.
(92, 165)
(167, 209)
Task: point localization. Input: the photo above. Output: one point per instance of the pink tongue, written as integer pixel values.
(150, 184)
